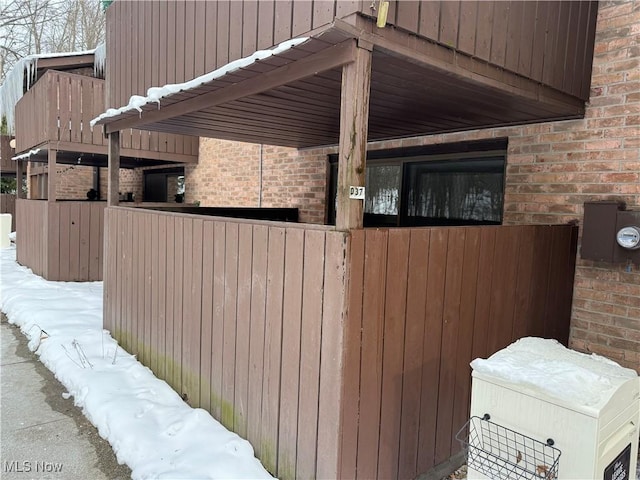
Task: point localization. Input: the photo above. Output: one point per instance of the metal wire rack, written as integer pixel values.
(504, 454)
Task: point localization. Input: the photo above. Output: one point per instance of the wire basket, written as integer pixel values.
(504, 454)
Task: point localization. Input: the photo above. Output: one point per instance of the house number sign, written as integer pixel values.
(356, 192)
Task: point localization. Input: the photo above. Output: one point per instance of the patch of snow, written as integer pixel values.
(12, 237)
(156, 94)
(547, 366)
(22, 156)
(146, 422)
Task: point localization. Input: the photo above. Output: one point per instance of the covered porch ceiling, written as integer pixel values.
(293, 98)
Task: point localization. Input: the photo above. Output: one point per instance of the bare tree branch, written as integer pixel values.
(47, 26)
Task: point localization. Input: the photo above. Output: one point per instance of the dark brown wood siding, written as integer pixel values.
(8, 205)
(549, 42)
(422, 304)
(7, 166)
(243, 318)
(60, 107)
(61, 241)
(336, 355)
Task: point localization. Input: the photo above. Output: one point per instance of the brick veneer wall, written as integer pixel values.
(229, 174)
(552, 169)
(74, 181)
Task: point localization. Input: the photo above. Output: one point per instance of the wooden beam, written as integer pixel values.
(352, 150)
(449, 62)
(51, 175)
(19, 179)
(113, 195)
(327, 59)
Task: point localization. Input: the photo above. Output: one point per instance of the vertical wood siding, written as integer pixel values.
(61, 241)
(537, 40)
(31, 235)
(8, 205)
(244, 319)
(335, 355)
(60, 107)
(7, 166)
(422, 304)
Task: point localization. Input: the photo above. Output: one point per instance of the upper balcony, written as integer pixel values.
(56, 111)
(436, 66)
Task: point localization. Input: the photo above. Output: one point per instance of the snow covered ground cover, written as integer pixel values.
(148, 425)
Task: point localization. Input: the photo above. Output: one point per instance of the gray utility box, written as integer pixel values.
(542, 411)
(603, 233)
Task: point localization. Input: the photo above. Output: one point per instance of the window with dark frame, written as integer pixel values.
(442, 185)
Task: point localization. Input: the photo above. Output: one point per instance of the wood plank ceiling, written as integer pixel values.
(408, 98)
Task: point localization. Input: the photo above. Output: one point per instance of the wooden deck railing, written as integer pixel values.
(546, 41)
(423, 303)
(7, 166)
(243, 318)
(60, 107)
(61, 240)
(8, 205)
(337, 355)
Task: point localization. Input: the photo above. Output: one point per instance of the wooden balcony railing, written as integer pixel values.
(59, 108)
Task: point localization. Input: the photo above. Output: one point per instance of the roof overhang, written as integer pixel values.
(89, 159)
(293, 98)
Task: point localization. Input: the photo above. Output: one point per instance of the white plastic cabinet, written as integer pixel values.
(5, 229)
(537, 430)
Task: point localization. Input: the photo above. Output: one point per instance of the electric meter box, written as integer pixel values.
(5, 229)
(542, 411)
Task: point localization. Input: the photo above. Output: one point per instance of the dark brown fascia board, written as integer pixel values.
(81, 148)
(75, 61)
(415, 49)
(327, 59)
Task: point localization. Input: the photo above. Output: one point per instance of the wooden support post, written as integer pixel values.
(51, 175)
(19, 179)
(352, 151)
(113, 195)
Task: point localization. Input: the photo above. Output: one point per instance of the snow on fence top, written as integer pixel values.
(155, 94)
(20, 78)
(548, 367)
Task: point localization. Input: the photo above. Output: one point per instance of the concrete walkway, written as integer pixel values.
(44, 436)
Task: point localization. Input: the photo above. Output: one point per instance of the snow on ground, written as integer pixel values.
(148, 425)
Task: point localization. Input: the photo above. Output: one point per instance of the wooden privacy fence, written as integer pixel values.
(60, 107)
(61, 240)
(242, 318)
(337, 355)
(8, 205)
(422, 304)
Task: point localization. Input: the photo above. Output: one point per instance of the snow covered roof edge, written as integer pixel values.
(155, 94)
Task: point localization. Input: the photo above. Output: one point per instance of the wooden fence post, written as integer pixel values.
(51, 175)
(352, 151)
(19, 179)
(114, 169)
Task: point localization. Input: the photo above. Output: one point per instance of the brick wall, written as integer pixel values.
(229, 173)
(74, 181)
(552, 169)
